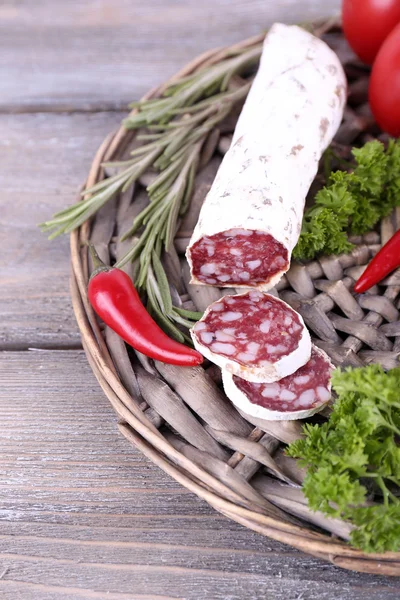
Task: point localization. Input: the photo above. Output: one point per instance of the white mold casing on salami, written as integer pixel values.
(291, 114)
(313, 398)
(253, 335)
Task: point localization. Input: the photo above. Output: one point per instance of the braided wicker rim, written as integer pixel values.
(141, 431)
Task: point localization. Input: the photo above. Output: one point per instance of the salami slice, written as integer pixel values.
(251, 219)
(253, 335)
(296, 396)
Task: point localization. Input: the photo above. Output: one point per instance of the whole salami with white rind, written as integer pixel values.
(253, 335)
(297, 396)
(251, 218)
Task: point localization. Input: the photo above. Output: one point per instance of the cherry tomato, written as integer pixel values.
(367, 23)
(384, 85)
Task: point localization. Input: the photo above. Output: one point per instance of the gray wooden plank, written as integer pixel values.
(84, 515)
(98, 54)
(45, 158)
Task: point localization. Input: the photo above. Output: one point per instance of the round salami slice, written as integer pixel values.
(253, 335)
(296, 396)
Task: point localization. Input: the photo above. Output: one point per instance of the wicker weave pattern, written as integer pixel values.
(180, 418)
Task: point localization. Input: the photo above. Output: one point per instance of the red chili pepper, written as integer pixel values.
(383, 263)
(115, 299)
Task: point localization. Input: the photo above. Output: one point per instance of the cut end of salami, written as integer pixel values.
(296, 396)
(239, 258)
(253, 335)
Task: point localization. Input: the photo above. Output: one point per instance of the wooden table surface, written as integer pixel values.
(83, 515)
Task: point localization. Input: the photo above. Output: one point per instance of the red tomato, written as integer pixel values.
(384, 85)
(367, 23)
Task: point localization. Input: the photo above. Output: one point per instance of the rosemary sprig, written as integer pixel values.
(176, 126)
(205, 88)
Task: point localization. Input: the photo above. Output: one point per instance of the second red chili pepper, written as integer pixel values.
(383, 263)
(115, 299)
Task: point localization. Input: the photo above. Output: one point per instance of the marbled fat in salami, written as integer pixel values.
(253, 335)
(251, 218)
(239, 256)
(296, 396)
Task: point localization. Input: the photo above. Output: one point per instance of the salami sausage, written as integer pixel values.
(296, 396)
(251, 218)
(253, 335)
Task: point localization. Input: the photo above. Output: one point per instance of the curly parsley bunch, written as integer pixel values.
(356, 452)
(352, 202)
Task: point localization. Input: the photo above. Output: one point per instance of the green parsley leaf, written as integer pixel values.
(321, 232)
(365, 216)
(370, 172)
(378, 528)
(338, 196)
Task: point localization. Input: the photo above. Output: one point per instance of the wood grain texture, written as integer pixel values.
(102, 54)
(83, 515)
(45, 159)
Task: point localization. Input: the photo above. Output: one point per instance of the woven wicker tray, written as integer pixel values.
(180, 418)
